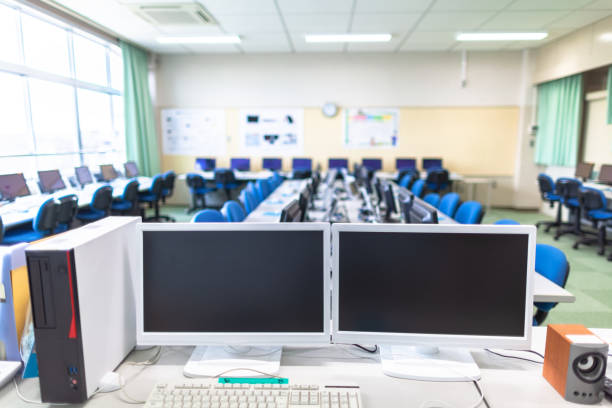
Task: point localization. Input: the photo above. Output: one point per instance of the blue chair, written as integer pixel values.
(99, 207)
(406, 181)
(506, 221)
(233, 212)
(129, 199)
(1, 230)
(226, 181)
(417, 187)
(152, 197)
(277, 180)
(208, 216)
(252, 190)
(167, 191)
(548, 193)
(551, 263)
(198, 188)
(437, 180)
(595, 208)
(469, 212)
(248, 201)
(432, 199)
(42, 225)
(262, 189)
(569, 191)
(449, 203)
(67, 208)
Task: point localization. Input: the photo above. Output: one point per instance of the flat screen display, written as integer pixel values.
(12, 186)
(338, 163)
(83, 175)
(302, 164)
(240, 164)
(108, 172)
(131, 170)
(272, 164)
(432, 164)
(205, 164)
(405, 164)
(432, 283)
(50, 181)
(372, 164)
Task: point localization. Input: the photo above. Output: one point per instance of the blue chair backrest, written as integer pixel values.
(263, 189)
(506, 221)
(546, 183)
(157, 185)
(208, 215)
(46, 217)
(418, 187)
(406, 180)
(552, 263)
(195, 181)
(277, 179)
(102, 199)
(593, 199)
(250, 188)
(130, 191)
(432, 199)
(248, 201)
(469, 212)
(448, 204)
(233, 212)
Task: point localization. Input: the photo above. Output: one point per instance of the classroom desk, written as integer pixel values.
(24, 209)
(240, 175)
(505, 382)
(606, 189)
(270, 209)
(387, 175)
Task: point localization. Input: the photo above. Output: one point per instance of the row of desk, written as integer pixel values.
(24, 209)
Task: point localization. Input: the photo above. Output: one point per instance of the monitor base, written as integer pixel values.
(240, 361)
(428, 363)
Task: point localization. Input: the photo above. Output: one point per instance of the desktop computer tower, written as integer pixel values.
(83, 303)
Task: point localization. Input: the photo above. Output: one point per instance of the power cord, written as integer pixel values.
(29, 401)
(372, 351)
(516, 357)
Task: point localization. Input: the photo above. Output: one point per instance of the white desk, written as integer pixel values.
(24, 209)
(386, 175)
(240, 175)
(606, 189)
(270, 209)
(507, 383)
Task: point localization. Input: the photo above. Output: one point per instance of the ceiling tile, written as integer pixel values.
(481, 46)
(470, 5)
(454, 21)
(265, 43)
(600, 5)
(314, 6)
(251, 24)
(425, 47)
(429, 37)
(523, 20)
(188, 30)
(548, 4)
(579, 18)
(213, 48)
(301, 45)
(238, 7)
(387, 23)
(521, 45)
(317, 23)
(391, 6)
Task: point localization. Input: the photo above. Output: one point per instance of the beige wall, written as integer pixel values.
(577, 52)
(598, 133)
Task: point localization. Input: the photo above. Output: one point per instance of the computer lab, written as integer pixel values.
(315, 204)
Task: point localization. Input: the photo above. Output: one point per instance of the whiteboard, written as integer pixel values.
(366, 128)
(194, 132)
(272, 131)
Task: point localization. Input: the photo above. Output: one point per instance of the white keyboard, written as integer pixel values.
(209, 394)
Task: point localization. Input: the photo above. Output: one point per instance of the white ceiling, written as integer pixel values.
(416, 25)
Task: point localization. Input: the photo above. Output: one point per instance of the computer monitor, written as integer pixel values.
(50, 181)
(236, 284)
(430, 286)
(605, 174)
(421, 213)
(405, 200)
(108, 172)
(13, 186)
(273, 164)
(337, 163)
(131, 169)
(205, 164)
(240, 164)
(301, 164)
(303, 201)
(390, 206)
(378, 187)
(432, 163)
(291, 212)
(405, 164)
(372, 164)
(83, 175)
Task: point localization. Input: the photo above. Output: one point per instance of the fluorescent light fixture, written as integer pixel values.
(501, 36)
(215, 39)
(606, 37)
(344, 38)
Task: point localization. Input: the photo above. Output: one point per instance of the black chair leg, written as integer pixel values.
(540, 316)
(549, 224)
(574, 226)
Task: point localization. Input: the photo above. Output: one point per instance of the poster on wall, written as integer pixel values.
(366, 128)
(194, 132)
(272, 131)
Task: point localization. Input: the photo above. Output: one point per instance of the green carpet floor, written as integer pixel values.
(590, 278)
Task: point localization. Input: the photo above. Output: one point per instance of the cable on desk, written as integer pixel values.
(372, 351)
(515, 357)
(29, 401)
(152, 361)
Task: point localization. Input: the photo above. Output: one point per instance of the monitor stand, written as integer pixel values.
(429, 363)
(214, 361)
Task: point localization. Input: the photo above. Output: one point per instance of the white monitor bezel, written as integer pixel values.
(250, 338)
(509, 342)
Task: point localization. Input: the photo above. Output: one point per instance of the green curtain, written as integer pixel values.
(559, 118)
(140, 137)
(610, 95)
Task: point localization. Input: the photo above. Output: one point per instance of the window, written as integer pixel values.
(61, 92)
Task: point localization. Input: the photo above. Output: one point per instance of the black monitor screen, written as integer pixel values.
(83, 175)
(240, 164)
(433, 283)
(431, 164)
(108, 172)
(233, 281)
(302, 164)
(405, 164)
(50, 181)
(372, 164)
(206, 164)
(338, 163)
(272, 164)
(605, 173)
(131, 169)
(13, 185)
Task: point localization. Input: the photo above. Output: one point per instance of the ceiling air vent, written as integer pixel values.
(174, 14)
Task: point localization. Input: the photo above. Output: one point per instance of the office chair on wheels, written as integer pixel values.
(198, 188)
(548, 193)
(100, 205)
(67, 208)
(551, 263)
(569, 190)
(469, 212)
(167, 190)
(432, 199)
(449, 203)
(42, 225)
(233, 212)
(594, 206)
(249, 202)
(128, 202)
(152, 197)
(208, 215)
(437, 180)
(226, 181)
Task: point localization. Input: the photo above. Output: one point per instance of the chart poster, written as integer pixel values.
(366, 128)
(194, 132)
(272, 131)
